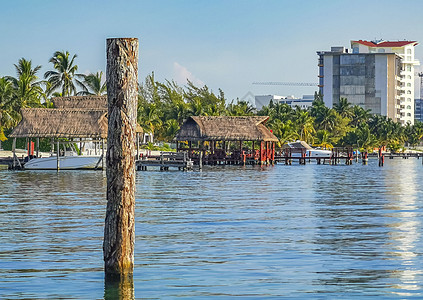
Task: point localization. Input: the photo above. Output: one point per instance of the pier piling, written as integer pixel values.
(122, 82)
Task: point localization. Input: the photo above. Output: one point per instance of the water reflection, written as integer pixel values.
(309, 231)
(405, 226)
(119, 287)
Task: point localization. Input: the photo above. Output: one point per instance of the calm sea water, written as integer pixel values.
(294, 232)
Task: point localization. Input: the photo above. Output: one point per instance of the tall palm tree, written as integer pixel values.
(305, 125)
(323, 139)
(8, 115)
(172, 102)
(93, 84)
(241, 108)
(344, 108)
(148, 117)
(64, 75)
(285, 132)
(360, 115)
(28, 91)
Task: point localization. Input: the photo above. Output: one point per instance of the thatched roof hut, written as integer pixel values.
(224, 128)
(72, 117)
(87, 102)
(62, 123)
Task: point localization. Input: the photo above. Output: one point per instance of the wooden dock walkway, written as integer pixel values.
(165, 161)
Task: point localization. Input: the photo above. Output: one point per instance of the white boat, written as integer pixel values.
(299, 147)
(65, 163)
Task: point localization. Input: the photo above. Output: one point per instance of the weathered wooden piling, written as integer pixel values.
(122, 82)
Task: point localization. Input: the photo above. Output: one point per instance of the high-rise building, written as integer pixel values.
(377, 75)
(418, 110)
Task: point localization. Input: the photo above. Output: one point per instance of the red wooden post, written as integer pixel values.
(261, 152)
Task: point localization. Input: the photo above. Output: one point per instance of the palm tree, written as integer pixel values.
(172, 102)
(327, 119)
(241, 108)
(323, 139)
(28, 92)
(344, 108)
(148, 117)
(64, 75)
(414, 133)
(8, 115)
(93, 84)
(305, 125)
(285, 132)
(360, 115)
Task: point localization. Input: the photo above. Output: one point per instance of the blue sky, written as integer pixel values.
(223, 44)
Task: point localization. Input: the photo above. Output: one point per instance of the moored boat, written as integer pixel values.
(67, 162)
(299, 147)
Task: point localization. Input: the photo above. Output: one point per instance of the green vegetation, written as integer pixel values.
(163, 107)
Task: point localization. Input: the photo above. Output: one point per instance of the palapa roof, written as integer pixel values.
(62, 123)
(225, 128)
(72, 117)
(88, 102)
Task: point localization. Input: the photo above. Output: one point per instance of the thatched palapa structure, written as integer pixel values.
(214, 136)
(80, 117)
(62, 123)
(85, 102)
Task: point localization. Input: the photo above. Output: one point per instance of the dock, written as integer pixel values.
(165, 161)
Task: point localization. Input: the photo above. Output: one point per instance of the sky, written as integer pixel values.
(224, 44)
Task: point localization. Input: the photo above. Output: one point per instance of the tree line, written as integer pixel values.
(163, 107)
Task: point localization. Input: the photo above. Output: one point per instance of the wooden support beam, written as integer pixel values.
(122, 95)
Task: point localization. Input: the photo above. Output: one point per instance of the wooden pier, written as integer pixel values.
(165, 161)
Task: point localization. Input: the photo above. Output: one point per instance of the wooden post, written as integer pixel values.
(14, 152)
(103, 158)
(138, 146)
(122, 95)
(200, 161)
(38, 146)
(58, 154)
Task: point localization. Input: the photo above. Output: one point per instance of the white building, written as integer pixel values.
(377, 75)
(405, 49)
(264, 100)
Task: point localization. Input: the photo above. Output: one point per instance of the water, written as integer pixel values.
(294, 232)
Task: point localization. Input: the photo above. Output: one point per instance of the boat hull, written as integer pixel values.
(65, 163)
(315, 153)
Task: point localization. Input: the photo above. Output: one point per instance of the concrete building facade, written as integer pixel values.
(374, 75)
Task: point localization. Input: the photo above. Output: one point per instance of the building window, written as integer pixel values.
(408, 106)
(409, 84)
(381, 50)
(408, 115)
(408, 92)
(408, 51)
(408, 68)
(408, 76)
(355, 50)
(409, 99)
